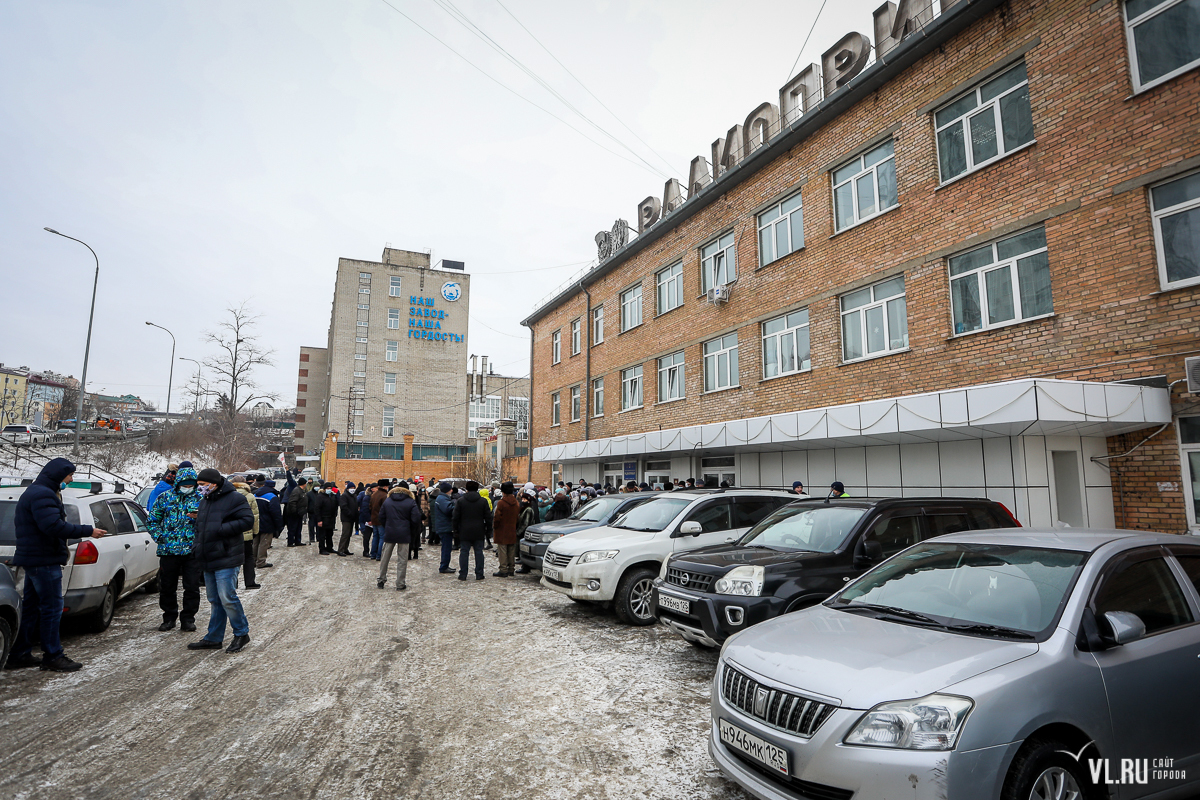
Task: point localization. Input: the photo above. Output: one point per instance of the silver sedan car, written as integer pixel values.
(992, 664)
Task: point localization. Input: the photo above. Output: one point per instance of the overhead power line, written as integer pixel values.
(806, 38)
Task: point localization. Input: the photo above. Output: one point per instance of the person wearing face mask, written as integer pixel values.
(220, 520)
(42, 531)
(326, 510)
(173, 526)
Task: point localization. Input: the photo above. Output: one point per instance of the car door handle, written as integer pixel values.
(126, 547)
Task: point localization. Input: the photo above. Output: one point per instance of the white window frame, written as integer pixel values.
(1189, 480)
(785, 339)
(392, 351)
(1158, 215)
(518, 410)
(360, 356)
(980, 273)
(859, 316)
(364, 290)
(576, 336)
(360, 339)
(598, 397)
(725, 354)
(393, 322)
(631, 308)
(598, 324)
(669, 288)
(388, 428)
(556, 347)
(718, 260)
(853, 179)
(576, 404)
(963, 120)
(1134, 68)
(632, 393)
(364, 306)
(785, 218)
(394, 286)
(670, 371)
(389, 383)
(555, 409)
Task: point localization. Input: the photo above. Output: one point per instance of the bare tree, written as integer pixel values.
(239, 356)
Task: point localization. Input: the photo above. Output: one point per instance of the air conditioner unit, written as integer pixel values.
(719, 294)
(1191, 367)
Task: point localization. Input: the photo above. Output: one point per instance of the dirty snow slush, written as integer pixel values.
(493, 689)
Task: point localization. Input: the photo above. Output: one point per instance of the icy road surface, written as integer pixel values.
(492, 689)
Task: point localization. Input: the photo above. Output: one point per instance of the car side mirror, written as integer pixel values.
(868, 553)
(1124, 627)
(690, 529)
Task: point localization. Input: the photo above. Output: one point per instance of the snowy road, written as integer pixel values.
(499, 689)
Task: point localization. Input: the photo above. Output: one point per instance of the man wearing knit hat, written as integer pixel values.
(220, 520)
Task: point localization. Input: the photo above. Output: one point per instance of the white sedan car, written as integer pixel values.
(99, 571)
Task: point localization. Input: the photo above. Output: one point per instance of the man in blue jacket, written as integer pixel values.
(270, 522)
(42, 533)
(443, 524)
(164, 485)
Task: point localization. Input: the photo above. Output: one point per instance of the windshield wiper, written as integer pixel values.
(639, 530)
(982, 627)
(894, 611)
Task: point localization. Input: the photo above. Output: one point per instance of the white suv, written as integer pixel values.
(99, 571)
(619, 561)
(24, 434)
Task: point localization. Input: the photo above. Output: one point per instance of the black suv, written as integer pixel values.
(801, 554)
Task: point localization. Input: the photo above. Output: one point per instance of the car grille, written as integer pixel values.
(784, 710)
(805, 789)
(689, 580)
(533, 537)
(557, 559)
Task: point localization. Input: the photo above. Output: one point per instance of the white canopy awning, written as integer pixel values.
(1034, 406)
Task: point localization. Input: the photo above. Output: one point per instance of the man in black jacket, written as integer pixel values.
(326, 509)
(42, 532)
(221, 519)
(294, 509)
(472, 523)
(314, 494)
(348, 506)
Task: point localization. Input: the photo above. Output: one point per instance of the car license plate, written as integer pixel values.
(551, 573)
(764, 752)
(526, 548)
(674, 603)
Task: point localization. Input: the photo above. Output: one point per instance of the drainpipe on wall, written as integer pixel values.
(532, 397)
(586, 322)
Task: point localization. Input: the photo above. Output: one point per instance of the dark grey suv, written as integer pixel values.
(595, 513)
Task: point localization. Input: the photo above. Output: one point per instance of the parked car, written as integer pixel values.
(799, 555)
(978, 665)
(24, 434)
(595, 513)
(618, 562)
(10, 610)
(101, 571)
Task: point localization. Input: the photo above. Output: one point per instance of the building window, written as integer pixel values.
(718, 262)
(391, 352)
(364, 290)
(359, 339)
(362, 306)
(394, 318)
(554, 408)
(780, 230)
(389, 421)
(360, 356)
(984, 125)
(360, 375)
(389, 383)
(1164, 39)
(874, 320)
(631, 388)
(631, 308)
(393, 286)
(575, 336)
(866, 187)
(785, 344)
(483, 411)
(518, 411)
(598, 397)
(1176, 207)
(364, 278)
(1002, 282)
(556, 347)
(670, 377)
(598, 325)
(364, 316)
(575, 404)
(670, 288)
(721, 363)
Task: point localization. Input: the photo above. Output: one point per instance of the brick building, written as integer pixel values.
(962, 261)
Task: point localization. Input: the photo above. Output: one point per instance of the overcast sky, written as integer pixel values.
(220, 151)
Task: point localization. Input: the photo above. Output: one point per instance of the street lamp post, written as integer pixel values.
(87, 348)
(196, 399)
(171, 374)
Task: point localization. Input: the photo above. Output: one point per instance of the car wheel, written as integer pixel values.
(102, 617)
(633, 597)
(6, 641)
(1046, 770)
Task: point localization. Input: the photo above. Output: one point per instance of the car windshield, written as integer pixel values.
(598, 509)
(996, 590)
(653, 515)
(818, 528)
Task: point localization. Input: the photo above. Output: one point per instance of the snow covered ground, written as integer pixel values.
(499, 689)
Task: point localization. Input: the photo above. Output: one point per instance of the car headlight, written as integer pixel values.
(928, 723)
(597, 555)
(744, 581)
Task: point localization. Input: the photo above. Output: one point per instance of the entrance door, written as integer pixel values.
(612, 474)
(1189, 440)
(718, 470)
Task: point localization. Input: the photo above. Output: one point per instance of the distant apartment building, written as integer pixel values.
(43, 399)
(12, 395)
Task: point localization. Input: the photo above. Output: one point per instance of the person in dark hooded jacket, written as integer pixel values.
(560, 508)
(348, 508)
(221, 519)
(472, 523)
(399, 522)
(42, 532)
(326, 510)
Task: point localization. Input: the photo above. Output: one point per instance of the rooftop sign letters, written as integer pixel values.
(798, 97)
(425, 319)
